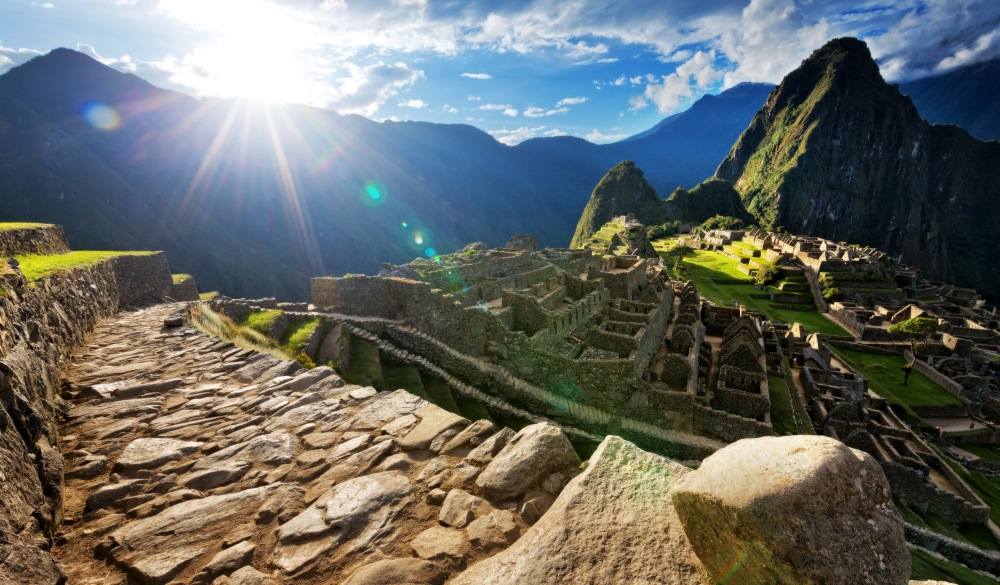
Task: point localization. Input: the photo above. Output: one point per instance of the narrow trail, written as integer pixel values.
(191, 460)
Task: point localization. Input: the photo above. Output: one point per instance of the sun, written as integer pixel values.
(252, 48)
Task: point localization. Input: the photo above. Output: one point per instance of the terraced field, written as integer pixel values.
(719, 280)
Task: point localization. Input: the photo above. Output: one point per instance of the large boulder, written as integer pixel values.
(534, 453)
(793, 510)
(614, 523)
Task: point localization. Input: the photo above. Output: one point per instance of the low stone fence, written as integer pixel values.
(953, 550)
(944, 381)
(184, 288)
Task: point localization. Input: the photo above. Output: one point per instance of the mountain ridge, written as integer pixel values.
(838, 153)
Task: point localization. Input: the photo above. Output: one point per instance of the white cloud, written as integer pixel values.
(477, 75)
(512, 112)
(986, 45)
(449, 109)
(554, 132)
(48, 5)
(599, 137)
(541, 112)
(123, 63)
(492, 107)
(517, 135)
(10, 57)
(412, 104)
(474, 98)
(681, 86)
(570, 101)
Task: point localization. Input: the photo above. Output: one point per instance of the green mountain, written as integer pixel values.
(621, 191)
(624, 190)
(707, 199)
(838, 153)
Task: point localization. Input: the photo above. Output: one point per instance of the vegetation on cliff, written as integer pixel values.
(838, 153)
(624, 190)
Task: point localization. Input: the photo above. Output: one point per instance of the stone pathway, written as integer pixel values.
(191, 460)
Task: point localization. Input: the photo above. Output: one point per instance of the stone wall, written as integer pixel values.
(49, 239)
(953, 550)
(185, 289)
(727, 427)
(915, 491)
(38, 328)
(142, 277)
(942, 380)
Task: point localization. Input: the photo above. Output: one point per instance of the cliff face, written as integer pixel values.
(838, 153)
(709, 198)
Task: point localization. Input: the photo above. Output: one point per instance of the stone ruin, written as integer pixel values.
(152, 453)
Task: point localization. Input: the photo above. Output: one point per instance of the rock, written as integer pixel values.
(533, 454)
(497, 529)
(434, 420)
(28, 564)
(471, 435)
(490, 446)
(151, 454)
(172, 322)
(225, 473)
(362, 510)
(111, 494)
(250, 576)
(614, 523)
(88, 468)
(800, 509)
(398, 572)
(227, 561)
(384, 408)
(458, 508)
(440, 543)
(536, 503)
(155, 549)
(273, 449)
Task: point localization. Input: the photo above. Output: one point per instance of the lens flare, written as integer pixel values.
(419, 239)
(102, 117)
(430, 252)
(373, 194)
(405, 225)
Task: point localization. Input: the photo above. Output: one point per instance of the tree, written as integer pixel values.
(767, 274)
(916, 329)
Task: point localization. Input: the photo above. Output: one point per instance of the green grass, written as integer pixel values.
(21, 225)
(885, 378)
(37, 266)
(987, 488)
(406, 377)
(704, 265)
(260, 321)
(363, 367)
(978, 535)
(297, 334)
(179, 278)
(207, 296)
(782, 418)
(439, 393)
(984, 452)
(927, 567)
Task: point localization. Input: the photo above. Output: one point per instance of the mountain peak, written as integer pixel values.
(622, 190)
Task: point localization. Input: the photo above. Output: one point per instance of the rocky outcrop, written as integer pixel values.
(838, 153)
(793, 510)
(621, 191)
(614, 523)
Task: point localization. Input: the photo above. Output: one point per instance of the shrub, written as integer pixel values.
(767, 274)
(722, 222)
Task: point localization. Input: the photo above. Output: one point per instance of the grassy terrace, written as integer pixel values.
(782, 418)
(21, 225)
(705, 265)
(36, 266)
(977, 535)
(928, 567)
(885, 377)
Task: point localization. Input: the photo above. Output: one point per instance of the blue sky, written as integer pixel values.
(597, 69)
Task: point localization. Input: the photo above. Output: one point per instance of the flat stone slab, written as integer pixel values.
(434, 420)
(152, 453)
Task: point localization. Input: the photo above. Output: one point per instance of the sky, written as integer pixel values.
(599, 69)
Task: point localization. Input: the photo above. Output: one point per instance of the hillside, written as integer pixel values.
(838, 153)
(291, 191)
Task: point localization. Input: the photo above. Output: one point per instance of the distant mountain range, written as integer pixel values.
(838, 153)
(254, 199)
